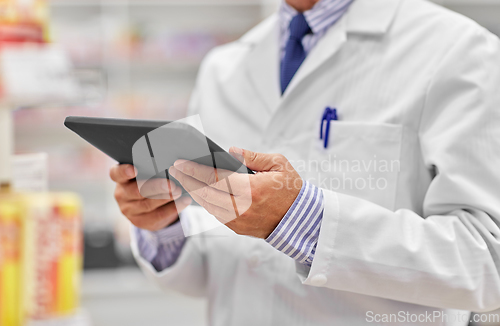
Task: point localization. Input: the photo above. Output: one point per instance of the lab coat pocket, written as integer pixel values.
(362, 160)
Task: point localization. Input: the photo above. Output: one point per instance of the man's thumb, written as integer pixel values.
(257, 161)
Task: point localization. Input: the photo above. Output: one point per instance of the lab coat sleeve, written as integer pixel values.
(187, 274)
(449, 257)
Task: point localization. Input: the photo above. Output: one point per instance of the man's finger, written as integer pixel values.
(222, 214)
(259, 162)
(202, 190)
(145, 205)
(122, 173)
(220, 179)
(159, 189)
(160, 217)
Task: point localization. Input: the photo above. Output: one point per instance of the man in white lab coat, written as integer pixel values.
(391, 216)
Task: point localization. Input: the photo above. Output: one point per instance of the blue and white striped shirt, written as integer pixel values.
(297, 233)
(163, 247)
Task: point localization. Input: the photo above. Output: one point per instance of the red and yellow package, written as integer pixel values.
(53, 256)
(23, 21)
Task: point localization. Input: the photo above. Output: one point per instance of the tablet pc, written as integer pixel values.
(152, 146)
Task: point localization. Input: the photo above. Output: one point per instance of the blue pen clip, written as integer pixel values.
(328, 115)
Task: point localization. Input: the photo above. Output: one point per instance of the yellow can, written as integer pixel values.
(11, 230)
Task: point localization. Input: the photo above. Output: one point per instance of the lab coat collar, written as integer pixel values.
(370, 17)
(263, 61)
(331, 42)
(373, 17)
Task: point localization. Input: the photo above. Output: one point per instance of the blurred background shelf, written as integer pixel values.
(468, 2)
(140, 3)
(138, 59)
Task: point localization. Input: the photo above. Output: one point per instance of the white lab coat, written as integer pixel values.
(415, 86)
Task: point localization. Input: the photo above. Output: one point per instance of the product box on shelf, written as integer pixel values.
(23, 20)
(40, 256)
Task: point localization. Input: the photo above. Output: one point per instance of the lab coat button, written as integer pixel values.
(319, 280)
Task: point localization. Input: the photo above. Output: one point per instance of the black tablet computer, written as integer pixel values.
(152, 146)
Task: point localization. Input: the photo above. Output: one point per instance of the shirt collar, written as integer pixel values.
(320, 17)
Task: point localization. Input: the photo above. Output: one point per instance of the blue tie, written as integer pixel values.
(294, 51)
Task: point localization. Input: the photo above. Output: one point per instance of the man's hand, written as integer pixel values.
(147, 213)
(248, 204)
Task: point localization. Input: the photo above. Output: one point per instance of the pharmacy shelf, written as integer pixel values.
(469, 2)
(143, 65)
(180, 70)
(222, 3)
(32, 136)
(143, 3)
(141, 58)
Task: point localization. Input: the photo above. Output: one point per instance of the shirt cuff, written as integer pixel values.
(161, 248)
(297, 233)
